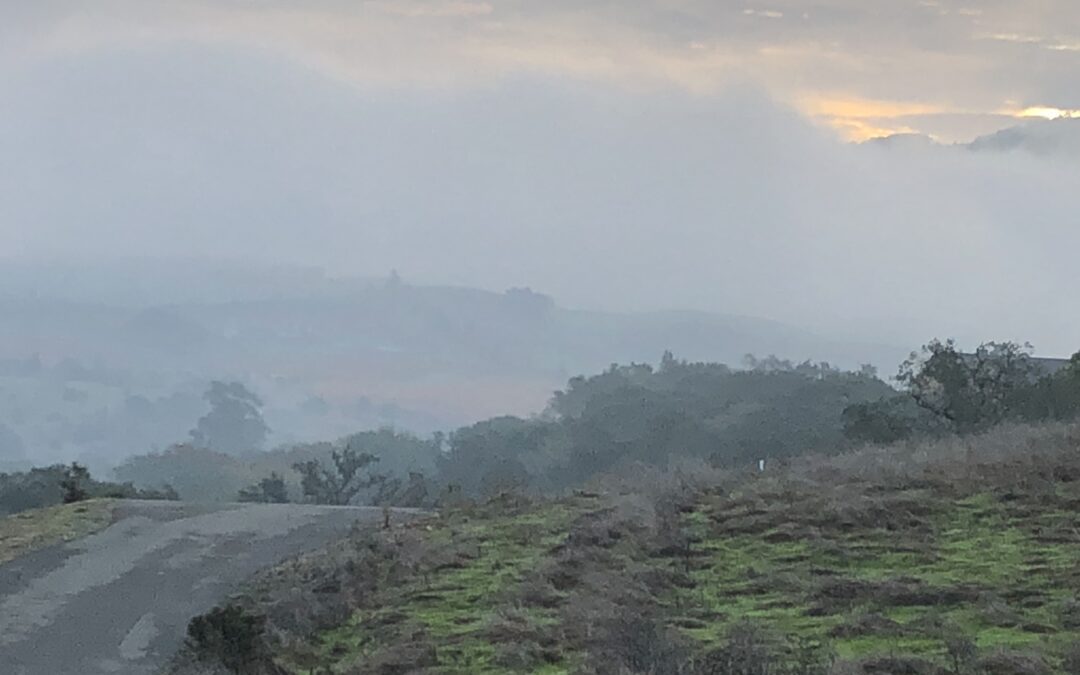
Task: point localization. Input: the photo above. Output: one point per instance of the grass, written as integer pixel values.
(995, 568)
(989, 566)
(30, 531)
(866, 556)
(456, 602)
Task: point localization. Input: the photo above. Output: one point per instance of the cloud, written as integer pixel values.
(942, 55)
(600, 194)
(435, 9)
(1057, 136)
(764, 13)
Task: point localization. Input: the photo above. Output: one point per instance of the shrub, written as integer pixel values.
(1004, 662)
(1071, 663)
(900, 665)
(415, 655)
(1070, 614)
(232, 637)
(641, 645)
(270, 490)
(961, 652)
(747, 651)
(74, 483)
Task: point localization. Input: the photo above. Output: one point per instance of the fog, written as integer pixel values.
(593, 336)
(138, 165)
(600, 197)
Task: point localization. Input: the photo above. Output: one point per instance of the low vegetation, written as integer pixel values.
(306, 472)
(65, 484)
(32, 530)
(950, 556)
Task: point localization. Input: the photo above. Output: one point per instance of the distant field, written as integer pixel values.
(30, 531)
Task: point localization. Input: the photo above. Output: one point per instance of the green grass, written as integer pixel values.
(994, 548)
(36, 529)
(454, 605)
(894, 580)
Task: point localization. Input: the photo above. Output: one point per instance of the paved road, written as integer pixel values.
(119, 601)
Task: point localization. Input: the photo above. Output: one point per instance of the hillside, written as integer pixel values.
(956, 556)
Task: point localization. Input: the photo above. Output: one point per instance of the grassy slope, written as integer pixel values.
(996, 567)
(868, 560)
(1000, 569)
(30, 531)
(482, 555)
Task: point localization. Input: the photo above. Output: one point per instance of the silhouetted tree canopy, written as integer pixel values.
(348, 474)
(950, 391)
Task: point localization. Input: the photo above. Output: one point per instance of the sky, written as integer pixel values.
(710, 154)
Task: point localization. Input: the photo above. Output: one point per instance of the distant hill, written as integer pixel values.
(329, 356)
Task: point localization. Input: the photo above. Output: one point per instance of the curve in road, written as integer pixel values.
(118, 601)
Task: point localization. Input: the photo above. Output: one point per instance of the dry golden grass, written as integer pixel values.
(34, 530)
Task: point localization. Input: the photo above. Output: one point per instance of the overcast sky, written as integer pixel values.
(632, 154)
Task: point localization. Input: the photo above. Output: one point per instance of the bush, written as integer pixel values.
(1071, 663)
(64, 484)
(641, 645)
(1070, 614)
(961, 651)
(1004, 662)
(74, 483)
(270, 490)
(748, 651)
(232, 637)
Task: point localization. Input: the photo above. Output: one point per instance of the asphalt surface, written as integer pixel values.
(119, 600)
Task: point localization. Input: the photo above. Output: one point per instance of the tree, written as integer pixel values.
(970, 391)
(270, 490)
(73, 483)
(640, 414)
(1057, 397)
(878, 421)
(38, 487)
(890, 419)
(198, 474)
(234, 424)
(342, 484)
(488, 457)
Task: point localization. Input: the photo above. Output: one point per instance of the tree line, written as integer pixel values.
(944, 390)
(769, 409)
